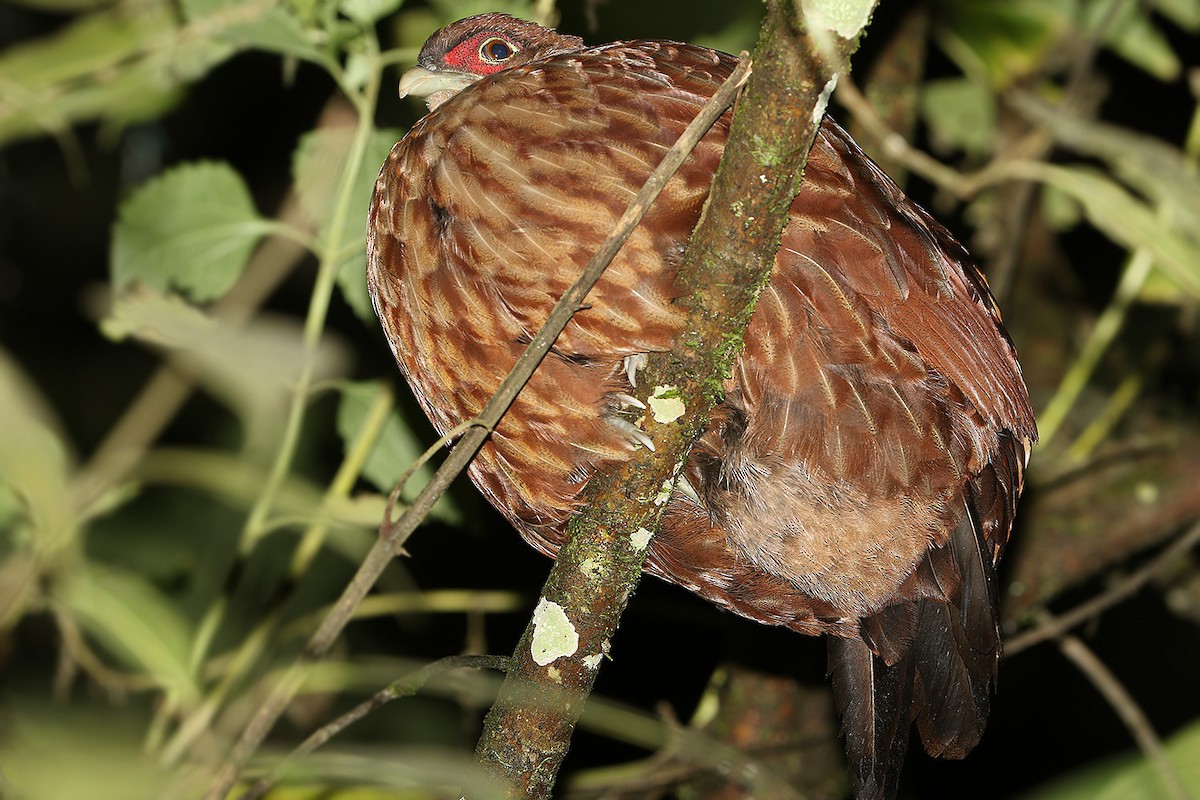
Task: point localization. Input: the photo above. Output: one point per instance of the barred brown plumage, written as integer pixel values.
(860, 477)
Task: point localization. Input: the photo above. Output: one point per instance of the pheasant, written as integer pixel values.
(861, 475)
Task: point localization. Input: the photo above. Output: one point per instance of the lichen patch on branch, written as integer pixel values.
(666, 404)
(640, 539)
(554, 635)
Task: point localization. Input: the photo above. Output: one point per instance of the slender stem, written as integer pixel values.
(1128, 710)
(256, 521)
(318, 308)
(352, 465)
(1105, 331)
(199, 720)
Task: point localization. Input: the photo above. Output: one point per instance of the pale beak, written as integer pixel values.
(436, 87)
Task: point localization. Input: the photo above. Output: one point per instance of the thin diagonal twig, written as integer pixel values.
(404, 687)
(393, 535)
(1127, 708)
(1053, 627)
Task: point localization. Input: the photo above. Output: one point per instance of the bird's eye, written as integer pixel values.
(496, 51)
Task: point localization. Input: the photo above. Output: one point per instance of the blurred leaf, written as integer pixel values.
(191, 229)
(262, 24)
(1154, 167)
(34, 465)
(135, 622)
(367, 12)
(1059, 209)
(62, 6)
(252, 368)
(1131, 777)
(1126, 219)
(1133, 36)
(960, 114)
(1184, 13)
(1158, 289)
(37, 509)
(1001, 40)
(450, 10)
(414, 772)
(129, 62)
(10, 511)
(395, 449)
(86, 45)
(318, 166)
(120, 65)
(237, 479)
(107, 759)
(359, 68)
(740, 33)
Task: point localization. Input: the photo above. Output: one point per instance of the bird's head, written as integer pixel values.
(465, 51)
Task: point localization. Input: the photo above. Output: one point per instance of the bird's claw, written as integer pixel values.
(632, 364)
(635, 434)
(627, 401)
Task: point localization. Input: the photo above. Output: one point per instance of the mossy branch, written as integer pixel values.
(728, 261)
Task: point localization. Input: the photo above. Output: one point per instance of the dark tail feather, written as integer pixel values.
(930, 660)
(954, 681)
(875, 702)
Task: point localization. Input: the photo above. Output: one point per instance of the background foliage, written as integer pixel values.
(199, 419)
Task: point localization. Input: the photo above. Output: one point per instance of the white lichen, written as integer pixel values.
(593, 662)
(640, 539)
(666, 405)
(664, 493)
(554, 636)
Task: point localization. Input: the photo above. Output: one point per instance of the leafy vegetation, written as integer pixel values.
(200, 424)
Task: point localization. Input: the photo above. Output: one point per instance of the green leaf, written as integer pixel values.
(318, 166)
(97, 67)
(191, 229)
(739, 33)
(1184, 13)
(277, 31)
(1131, 777)
(960, 114)
(62, 6)
(395, 449)
(37, 507)
(450, 10)
(35, 467)
(1155, 168)
(135, 622)
(1059, 209)
(1124, 218)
